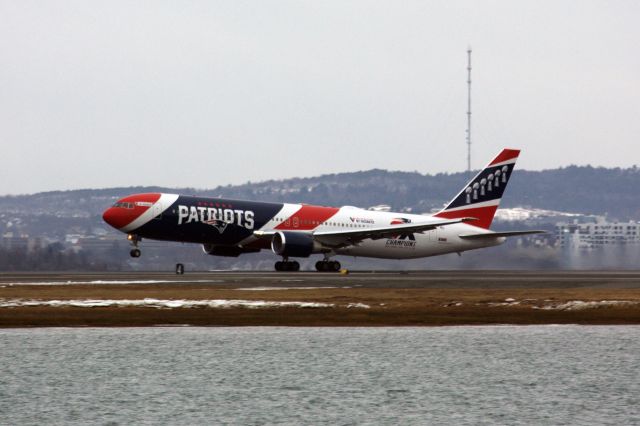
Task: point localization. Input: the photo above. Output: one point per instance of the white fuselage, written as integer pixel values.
(442, 240)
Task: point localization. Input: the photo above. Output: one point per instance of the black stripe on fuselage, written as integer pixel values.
(209, 220)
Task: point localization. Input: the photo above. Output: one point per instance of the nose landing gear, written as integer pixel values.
(285, 265)
(135, 251)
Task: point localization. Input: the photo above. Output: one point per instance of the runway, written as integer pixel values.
(319, 299)
(365, 279)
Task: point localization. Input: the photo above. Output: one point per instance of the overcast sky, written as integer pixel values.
(207, 93)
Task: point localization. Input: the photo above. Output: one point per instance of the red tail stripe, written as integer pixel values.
(506, 155)
(483, 214)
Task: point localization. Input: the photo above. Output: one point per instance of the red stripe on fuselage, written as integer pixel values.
(505, 155)
(308, 218)
(483, 214)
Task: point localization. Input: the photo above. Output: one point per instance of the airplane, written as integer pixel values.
(227, 227)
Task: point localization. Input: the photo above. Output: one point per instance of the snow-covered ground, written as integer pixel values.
(574, 305)
(522, 214)
(161, 303)
(280, 288)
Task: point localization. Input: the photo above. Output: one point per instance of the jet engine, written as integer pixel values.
(293, 244)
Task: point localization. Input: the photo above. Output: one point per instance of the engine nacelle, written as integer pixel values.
(226, 251)
(292, 244)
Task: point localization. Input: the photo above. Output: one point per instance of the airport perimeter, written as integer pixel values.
(365, 298)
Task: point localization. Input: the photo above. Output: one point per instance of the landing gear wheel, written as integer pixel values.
(287, 266)
(328, 266)
(135, 252)
(179, 268)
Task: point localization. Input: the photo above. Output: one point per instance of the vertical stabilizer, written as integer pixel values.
(481, 197)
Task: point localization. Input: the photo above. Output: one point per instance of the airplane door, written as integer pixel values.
(435, 236)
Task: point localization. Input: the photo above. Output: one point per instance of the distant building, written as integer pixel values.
(24, 241)
(575, 235)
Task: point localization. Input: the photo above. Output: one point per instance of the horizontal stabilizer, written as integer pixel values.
(499, 234)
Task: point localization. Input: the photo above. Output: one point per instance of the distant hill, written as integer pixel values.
(576, 189)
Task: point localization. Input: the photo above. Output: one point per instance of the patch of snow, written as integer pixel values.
(380, 208)
(574, 305)
(277, 288)
(507, 302)
(358, 305)
(522, 214)
(161, 303)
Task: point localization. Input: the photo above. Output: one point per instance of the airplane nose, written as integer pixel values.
(119, 217)
(131, 211)
(112, 217)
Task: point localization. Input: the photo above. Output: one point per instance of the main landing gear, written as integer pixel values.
(285, 265)
(328, 266)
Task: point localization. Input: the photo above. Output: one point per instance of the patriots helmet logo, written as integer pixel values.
(220, 225)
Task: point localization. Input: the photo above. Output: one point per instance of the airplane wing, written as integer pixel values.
(489, 235)
(347, 237)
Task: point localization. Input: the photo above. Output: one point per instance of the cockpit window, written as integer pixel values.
(123, 205)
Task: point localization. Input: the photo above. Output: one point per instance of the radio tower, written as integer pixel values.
(469, 111)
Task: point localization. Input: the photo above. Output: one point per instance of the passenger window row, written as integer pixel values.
(315, 222)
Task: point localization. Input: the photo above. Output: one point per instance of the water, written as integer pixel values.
(448, 375)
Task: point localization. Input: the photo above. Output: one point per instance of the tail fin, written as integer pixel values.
(481, 197)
